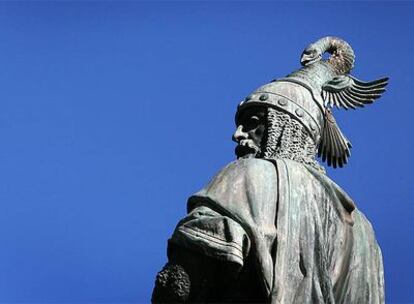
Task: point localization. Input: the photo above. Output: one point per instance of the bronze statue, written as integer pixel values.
(271, 227)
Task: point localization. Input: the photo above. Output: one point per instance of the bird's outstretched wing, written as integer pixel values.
(334, 146)
(348, 92)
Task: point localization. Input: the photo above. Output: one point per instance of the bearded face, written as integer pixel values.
(249, 135)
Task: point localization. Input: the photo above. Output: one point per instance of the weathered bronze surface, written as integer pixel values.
(271, 227)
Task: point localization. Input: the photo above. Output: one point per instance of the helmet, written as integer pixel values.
(293, 99)
(307, 94)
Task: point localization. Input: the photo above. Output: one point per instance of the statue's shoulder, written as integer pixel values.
(244, 184)
(249, 167)
(243, 172)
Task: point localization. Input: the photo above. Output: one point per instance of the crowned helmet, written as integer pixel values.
(305, 98)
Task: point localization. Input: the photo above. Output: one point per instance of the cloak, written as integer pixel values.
(308, 241)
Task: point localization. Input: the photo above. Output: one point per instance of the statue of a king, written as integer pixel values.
(271, 227)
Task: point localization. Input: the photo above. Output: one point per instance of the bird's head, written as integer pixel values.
(310, 55)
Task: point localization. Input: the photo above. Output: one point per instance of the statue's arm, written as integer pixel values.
(208, 248)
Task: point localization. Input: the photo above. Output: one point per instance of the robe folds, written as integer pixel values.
(308, 241)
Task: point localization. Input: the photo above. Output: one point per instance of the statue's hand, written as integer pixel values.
(190, 277)
(172, 285)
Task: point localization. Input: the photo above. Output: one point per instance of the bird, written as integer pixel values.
(337, 88)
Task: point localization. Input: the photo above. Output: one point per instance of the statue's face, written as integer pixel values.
(251, 126)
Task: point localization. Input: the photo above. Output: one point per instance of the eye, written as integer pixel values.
(252, 122)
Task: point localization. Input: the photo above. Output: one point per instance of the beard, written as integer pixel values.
(247, 149)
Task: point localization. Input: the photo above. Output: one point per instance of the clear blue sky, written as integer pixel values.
(113, 113)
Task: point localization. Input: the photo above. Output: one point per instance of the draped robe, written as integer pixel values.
(308, 241)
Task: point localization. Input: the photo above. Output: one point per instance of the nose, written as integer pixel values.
(239, 134)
